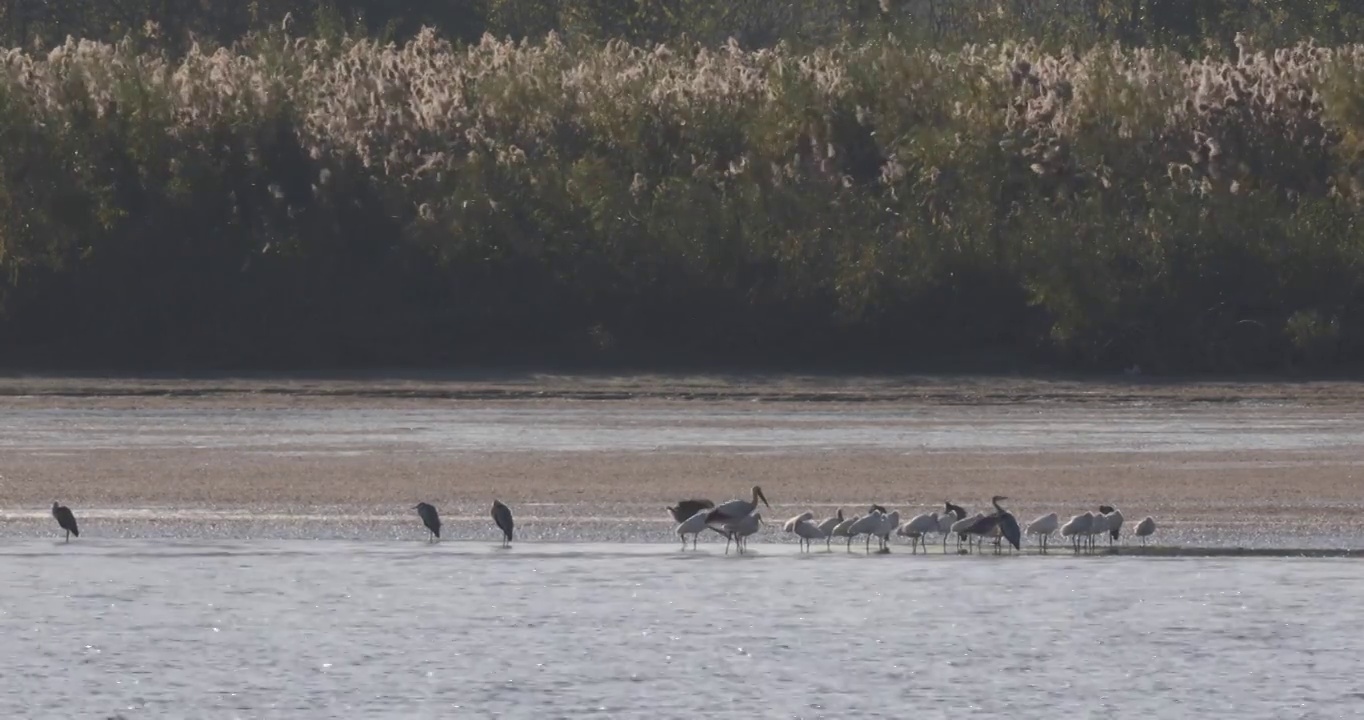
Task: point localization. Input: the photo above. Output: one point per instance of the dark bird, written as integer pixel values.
(686, 508)
(1007, 523)
(984, 526)
(65, 519)
(430, 518)
(1114, 519)
(503, 517)
(960, 512)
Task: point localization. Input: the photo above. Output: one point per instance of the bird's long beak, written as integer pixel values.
(763, 497)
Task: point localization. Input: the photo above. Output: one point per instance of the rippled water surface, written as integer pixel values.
(298, 629)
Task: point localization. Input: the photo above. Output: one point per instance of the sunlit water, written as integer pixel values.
(307, 629)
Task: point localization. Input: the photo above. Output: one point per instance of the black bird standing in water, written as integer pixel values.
(503, 517)
(65, 519)
(430, 518)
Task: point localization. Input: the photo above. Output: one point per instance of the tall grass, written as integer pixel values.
(297, 200)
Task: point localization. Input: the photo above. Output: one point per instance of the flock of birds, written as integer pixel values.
(737, 520)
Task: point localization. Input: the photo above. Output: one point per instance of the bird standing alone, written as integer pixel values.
(430, 518)
(503, 517)
(66, 519)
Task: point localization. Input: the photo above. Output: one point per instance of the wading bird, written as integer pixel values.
(1076, 528)
(1146, 528)
(827, 526)
(790, 525)
(844, 529)
(1043, 528)
(1006, 523)
(917, 529)
(727, 513)
(867, 525)
(959, 513)
(808, 531)
(740, 529)
(503, 517)
(65, 519)
(687, 508)
(430, 518)
(693, 526)
(888, 525)
(1112, 522)
(962, 528)
(981, 526)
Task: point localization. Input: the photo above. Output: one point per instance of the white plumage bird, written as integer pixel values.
(868, 525)
(790, 525)
(808, 531)
(961, 526)
(1043, 528)
(918, 527)
(828, 524)
(1076, 528)
(1146, 528)
(694, 526)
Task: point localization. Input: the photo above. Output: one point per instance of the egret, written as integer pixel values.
(1146, 528)
(807, 531)
(430, 518)
(917, 527)
(502, 515)
(1113, 520)
(693, 526)
(687, 508)
(65, 519)
(1043, 527)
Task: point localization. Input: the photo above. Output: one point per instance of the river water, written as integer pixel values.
(307, 629)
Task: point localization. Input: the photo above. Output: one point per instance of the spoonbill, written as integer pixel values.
(844, 529)
(1076, 528)
(980, 527)
(868, 525)
(687, 508)
(917, 527)
(790, 525)
(888, 525)
(1146, 528)
(828, 524)
(430, 518)
(1113, 520)
(693, 526)
(1043, 528)
(740, 529)
(726, 513)
(808, 531)
(66, 519)
(502, 515)
(963, 526)
(959, 513)
(945, 521)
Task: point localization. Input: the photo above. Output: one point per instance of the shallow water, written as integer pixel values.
(1130, 427)
(305, 629)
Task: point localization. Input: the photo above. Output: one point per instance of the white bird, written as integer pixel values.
(1113, 520)
(741, 529)
(888, 525)
(790, 525)
(917, 527)
(693, 526)
(1043, 527)
(1146, 528)
(828, 524)
(1076, 528)
(844, 528)
(945, 521)
(727, 513)
(961, 526)
(867, 525)
(808, 530)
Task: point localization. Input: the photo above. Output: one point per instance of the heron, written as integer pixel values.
(1006, 522)
(692, 526)
(1043, 527)
(790, 525)
(1146, 528)
(917, 527)
(430, 518)
(687, 508)
(1113, 520)
(502, 515)
(827, 526)
(66, 519)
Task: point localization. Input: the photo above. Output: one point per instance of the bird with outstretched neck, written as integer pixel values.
(502, 515)
(430, 518)
(66, 519)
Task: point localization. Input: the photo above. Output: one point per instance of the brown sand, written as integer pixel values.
(1255, 483)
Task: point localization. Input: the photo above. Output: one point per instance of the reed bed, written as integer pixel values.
(295, 199)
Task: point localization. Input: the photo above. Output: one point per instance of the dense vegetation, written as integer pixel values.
(312, 197)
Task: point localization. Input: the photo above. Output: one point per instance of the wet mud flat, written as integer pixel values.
(1260, 466)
